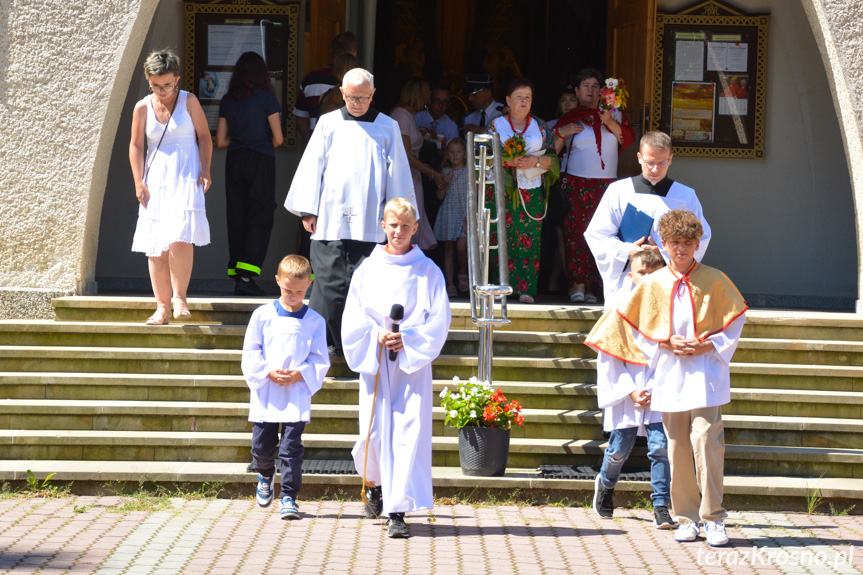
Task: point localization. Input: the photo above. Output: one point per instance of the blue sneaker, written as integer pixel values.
(264, 492)
(288, 508)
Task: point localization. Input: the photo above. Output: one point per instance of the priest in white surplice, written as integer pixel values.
(354, 163)
(653, 193)
(397, 464)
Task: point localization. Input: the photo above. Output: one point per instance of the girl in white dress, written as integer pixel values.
(170, 182)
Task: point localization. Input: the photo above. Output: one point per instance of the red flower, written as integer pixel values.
(511, 266)
(498, 396)
(525, 195)
(522, 286)
(519, 420)
(527, 243)
(536, 266)
(524, 262)
(508, 219)
(488, 413)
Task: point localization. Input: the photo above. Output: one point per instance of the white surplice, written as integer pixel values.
(615, 380)
(400, 449)
(684, 383)
(611, 253)
(348, 173)
(275, 341)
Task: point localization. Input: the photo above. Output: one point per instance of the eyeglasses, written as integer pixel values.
(357, 99)
(521, 98)
(652, 165)
(163, 89)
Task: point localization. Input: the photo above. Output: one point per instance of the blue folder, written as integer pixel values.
(634, 225)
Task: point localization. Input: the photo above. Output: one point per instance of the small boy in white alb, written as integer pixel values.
(284, 362)
(623, 393)
(684, 321)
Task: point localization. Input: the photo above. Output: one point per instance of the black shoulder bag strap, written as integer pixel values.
(153, 157)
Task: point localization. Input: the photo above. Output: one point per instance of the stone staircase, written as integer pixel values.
(95, 396)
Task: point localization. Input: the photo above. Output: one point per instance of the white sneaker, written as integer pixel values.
(714, 532)
(687, 532)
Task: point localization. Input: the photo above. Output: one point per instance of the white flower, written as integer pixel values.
(453, 413)
(455, 379)
(455, 397)
(473, 379)
(486, 384)
(473, 413)
(611, 83)
(444, 392)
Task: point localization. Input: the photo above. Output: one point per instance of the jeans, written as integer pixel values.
(265, 437)
(619, 447)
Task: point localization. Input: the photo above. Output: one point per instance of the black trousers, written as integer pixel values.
(334, 263)
(250, 192)
(265, 437)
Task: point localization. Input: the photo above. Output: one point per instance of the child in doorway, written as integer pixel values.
(623, 393)
(284, 362)
(394, 454)
(451, 224)
(684, 321)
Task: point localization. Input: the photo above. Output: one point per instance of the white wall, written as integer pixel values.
(783, 225)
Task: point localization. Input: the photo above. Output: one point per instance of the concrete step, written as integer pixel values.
(459, 342)
(777, 324)
(128, 446)
(118, 334)
(343, 391)
(102, 415)
(214, 362)
(237, 311)
(742, 491)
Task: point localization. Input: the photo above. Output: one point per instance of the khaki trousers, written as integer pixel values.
(696, 451)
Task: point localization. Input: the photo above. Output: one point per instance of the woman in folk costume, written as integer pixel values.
(394, 454)
(170, 182)
(594, 139)
(527, 182)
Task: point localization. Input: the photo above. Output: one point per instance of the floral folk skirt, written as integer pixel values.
(522, 238)
(584, 195)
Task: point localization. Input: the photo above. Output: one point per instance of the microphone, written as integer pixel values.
(397, 314)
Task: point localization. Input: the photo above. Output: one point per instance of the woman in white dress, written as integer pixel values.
(414, 98)
(170, 182)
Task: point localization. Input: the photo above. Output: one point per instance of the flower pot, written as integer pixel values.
(483, 451)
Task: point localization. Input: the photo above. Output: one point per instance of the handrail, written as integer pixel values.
(485, 169)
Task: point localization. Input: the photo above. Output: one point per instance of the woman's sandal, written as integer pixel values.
(154, 319)
(181, 309)
(462, 282)
(577, 297)
(451, 291)
(524, 298)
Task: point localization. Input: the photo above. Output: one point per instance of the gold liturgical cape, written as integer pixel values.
(715, 304)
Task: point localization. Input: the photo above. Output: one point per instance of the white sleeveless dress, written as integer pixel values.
(176, 211)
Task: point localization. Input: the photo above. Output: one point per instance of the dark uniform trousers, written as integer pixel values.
(250, 190)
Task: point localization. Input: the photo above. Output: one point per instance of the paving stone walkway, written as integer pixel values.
(219, 536)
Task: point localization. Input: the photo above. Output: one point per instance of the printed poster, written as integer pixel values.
(692, 105)
(734, 94)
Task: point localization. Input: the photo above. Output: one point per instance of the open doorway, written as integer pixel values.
(548, 41)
